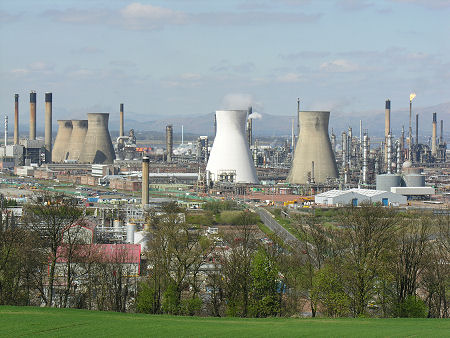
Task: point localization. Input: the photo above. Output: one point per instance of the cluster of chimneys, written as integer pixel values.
(48, 120)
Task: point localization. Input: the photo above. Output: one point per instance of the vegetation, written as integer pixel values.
(31, 321)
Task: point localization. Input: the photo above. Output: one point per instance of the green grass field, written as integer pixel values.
(30, 321)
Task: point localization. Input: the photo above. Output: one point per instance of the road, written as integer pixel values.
(276, 227)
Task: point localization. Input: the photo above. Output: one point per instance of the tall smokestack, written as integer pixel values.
(441, 138)
(121, 133)
(16, 118)
(6, 130)
(33, 115)
(169, 142)
(298, 116)
(249, 126)
(417, 129)
(387, 126)
(145, 163)
(48, 126)
(433, 137)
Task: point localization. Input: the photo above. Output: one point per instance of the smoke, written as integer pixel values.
(237, 101)
(255, 116)
(412, 96)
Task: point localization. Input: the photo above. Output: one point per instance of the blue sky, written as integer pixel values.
(179, 57)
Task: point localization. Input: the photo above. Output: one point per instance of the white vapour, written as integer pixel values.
(237, 101)
(255, 116)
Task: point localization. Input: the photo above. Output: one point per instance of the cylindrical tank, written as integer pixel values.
(230, 151)
(387, 181)
(131, 229)
(141, 237)
(33, 115)
(97, 146)
(60, 151)
(48, 125)
(414, 180)
(116, 223)
(313, 145)
(79, 131)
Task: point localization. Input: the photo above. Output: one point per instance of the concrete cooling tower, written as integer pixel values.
(97, 146)
(60, 151)
(230, 157)
(79, 131)
(313, 158)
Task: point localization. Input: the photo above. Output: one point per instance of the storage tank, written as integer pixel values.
(141, 237)
(117, 223)
(79, 131)
(386, 181)
(230, 152)
(131, 229)
(313, 145)
(97, 146)
(414, 180)
(60, 151)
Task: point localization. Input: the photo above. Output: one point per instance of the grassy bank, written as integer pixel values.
(30, 321)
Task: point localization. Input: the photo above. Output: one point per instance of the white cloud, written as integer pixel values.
(289, 78)
(339, 66)
(140, 16)
(431, 4)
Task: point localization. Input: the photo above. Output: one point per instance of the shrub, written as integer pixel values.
(412, 307)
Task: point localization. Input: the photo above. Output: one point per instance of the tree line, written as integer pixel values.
(362, 261)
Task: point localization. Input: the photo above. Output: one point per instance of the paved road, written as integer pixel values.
(276, 227)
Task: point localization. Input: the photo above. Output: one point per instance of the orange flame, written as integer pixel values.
(412, 96)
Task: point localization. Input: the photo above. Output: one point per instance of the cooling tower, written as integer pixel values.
(32, 115)
(16, 119)
(60, 150)
(48, 126)
(79, 131)
(313, 145)
(230, 152)
(97, 146)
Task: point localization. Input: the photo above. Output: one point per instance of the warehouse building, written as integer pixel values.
(358, 196)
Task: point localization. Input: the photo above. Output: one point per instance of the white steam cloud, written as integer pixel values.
(255, 116)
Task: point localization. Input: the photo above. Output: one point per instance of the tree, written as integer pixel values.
(364, 245)
(265, 288)
(49, 217)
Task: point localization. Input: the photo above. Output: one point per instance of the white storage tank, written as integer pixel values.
(131, 229)
(386, 181)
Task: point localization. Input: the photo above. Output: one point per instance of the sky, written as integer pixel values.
(181, 57)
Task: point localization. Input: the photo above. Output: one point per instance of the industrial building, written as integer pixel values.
(357, 197)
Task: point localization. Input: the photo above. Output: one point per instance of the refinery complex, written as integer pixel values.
(313, 168)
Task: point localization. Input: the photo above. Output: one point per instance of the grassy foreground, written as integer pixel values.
(31, 321)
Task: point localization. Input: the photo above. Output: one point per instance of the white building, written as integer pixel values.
(358, 196)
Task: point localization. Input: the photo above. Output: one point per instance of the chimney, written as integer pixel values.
(417, 129)
(145, 164)
(387, 127)
(441, 138)
(33, 115)
(249, 126)
(121, 133)
(169, 142)
(433, 137)
(16, 119)
(6, 130)
(48, 127)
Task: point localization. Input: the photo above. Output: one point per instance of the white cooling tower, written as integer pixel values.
(60, 151)
(79, 131)
(313, 146)
(230, 154)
